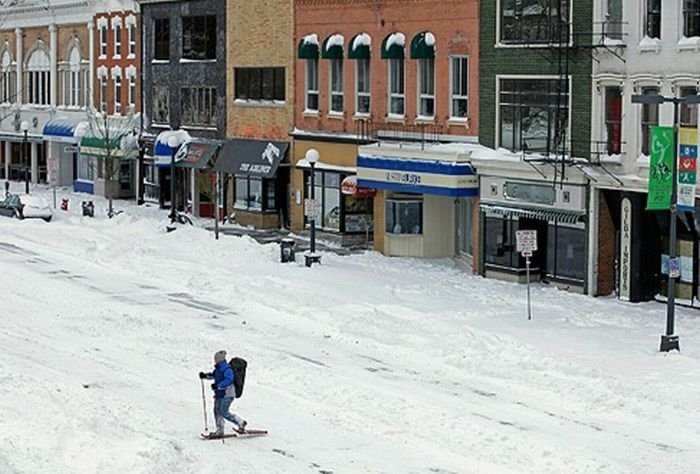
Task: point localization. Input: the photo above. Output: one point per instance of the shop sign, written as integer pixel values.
(660, 169)
(625, 249)
(349, 188)
(531, 193)
(687, 169)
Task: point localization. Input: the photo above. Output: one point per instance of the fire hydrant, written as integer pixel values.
(64, 204)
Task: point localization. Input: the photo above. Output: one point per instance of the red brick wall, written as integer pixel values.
(455, 25)
(606, 249)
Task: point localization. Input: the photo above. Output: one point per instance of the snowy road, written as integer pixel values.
(361, 365)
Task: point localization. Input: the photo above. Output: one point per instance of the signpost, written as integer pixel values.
(526, 243)
(310, 208)
(52, 170)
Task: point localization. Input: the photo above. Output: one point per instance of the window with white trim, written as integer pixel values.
(459, 87)
(131, 34)
(103, 41)
(198, 105)
(652, 18)
(691, 18)
(117, 39)
(397, 93)
(534, 21)
(37, 77)
(312, 85)
(426, 87)
(689, 112)
(118, 94)
(132, 92)
(650, 118)
(336, 85)
(161, 104)
(74, 79)
(103, 93)
(363, 86)
(8, 81)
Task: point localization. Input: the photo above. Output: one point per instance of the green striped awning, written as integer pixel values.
(423, 46)
(107, 148)
(558, 215)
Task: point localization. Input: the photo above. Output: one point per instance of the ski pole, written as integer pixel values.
(204, 406)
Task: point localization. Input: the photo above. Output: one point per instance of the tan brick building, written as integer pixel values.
(260, 85)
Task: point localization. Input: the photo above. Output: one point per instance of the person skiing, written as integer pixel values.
(224, 393)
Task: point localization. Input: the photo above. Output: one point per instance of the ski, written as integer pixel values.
(245, 434)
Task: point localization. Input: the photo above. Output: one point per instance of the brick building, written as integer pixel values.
(379, 86)
(260, 116)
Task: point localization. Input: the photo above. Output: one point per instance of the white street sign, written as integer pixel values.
(526, 240)
(310, 208)
(52, 170)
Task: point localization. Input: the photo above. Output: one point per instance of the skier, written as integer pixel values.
(224, 393)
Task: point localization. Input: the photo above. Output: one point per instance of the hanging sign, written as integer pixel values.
(687, 168)
(349, 188)
(660, 169)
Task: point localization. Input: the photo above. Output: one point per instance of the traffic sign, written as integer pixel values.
(526, 240)
(310, 208)
(527, 253)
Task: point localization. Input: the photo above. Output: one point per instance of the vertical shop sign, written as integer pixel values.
(687, 168)
(660, 169)
(625, 249)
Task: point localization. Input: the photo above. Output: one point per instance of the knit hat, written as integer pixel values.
(219, 356)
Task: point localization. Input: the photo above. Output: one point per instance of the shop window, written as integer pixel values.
(689, 112)
(499, 241)
(312, 84)
(534, 21)
(86, 168)
(255, 194)
(260, 83)
(359, 214)
(198, 105)
(613, 119)
(162, 38)
(691, 18)
(336, 85)
(199, 37)
(533, 114)
(653, 18)
(328, 197)
(426, 88)
(161, 104)
(363, 97)
(397, 96)
(465, 218)
(459, 87)
(566, 252)
(404, 216)
(650, 118)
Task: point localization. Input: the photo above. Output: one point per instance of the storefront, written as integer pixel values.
(195, 163)
(107, 163)
(159, 168)
(425, 201)
(256, 173)
(62, 147)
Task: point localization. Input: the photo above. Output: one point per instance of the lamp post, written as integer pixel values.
(25, 129)
(173, 143)
(669, 341)
(312, 156)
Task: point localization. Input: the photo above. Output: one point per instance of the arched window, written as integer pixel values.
(37, 78)
(8, 78)
(74, 78)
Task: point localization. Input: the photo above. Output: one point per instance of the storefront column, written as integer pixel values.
(594, 198)
(20, 61)
(34, 163)
(8, 158)
(53, 44)
(194, 193)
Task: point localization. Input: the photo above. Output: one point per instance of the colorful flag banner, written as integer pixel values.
(661, 169)
(687, 168)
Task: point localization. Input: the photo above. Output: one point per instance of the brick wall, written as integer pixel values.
(606, 249)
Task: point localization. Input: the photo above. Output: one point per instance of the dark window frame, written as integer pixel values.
(199, 95)
(199, 36)
(544, 28)
(268, 203)
(649, 118)
(689, 112)
(613, 119)
(252, 84)
(652, 19)
(161, 38)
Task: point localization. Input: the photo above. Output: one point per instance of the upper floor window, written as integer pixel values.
(161, 104)
(117, 26)
(199, 37)
(397, 95)
(131, 35)
(691, 18)
(161, 48)
(426, 88)
(362, 84)
(312, 84)
(103, 39)
(533, 114)
(653, 18)
(102, 99)
(336, 85)
(650, 118)
(37, 77)
(198, 105)
(534, 21)
(131, 91)
(74, 78)
(260, 83)
(613, 120)
(613, 20)
(459, 87)
(689, 112)
(117, 76)
(8, 78)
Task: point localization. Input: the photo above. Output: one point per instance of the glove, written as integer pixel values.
(214, 387)
(202, 375)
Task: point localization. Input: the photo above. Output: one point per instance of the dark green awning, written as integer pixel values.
(359, 46)
(333, 47)
(393, 46)
(108, 148)
(423, 46)
(197, 154)
(308, 47)
(558, 215)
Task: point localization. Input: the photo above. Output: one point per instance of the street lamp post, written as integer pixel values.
(173, 143)
(25, 129)
(312, 156)
(669, 341)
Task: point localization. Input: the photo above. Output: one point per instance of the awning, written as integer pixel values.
(122, 148)
(308, 47)
(393, 46)
(333, 47)
(360, 46)
(420, 176)
(558, 215)
(247, 157)
(162, 153)
(61, 129)
(423, 46)
(197, 154)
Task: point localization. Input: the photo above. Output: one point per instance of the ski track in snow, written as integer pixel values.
(364, 364)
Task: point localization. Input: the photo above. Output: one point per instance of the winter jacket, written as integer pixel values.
(223, 377)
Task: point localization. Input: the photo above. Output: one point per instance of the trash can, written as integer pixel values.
(88, 208)
(287, 250)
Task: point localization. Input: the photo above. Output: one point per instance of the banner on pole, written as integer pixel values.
(660, 169)
(687, 168)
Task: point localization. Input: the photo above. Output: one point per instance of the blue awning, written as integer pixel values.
(162, 153)
(419, 176)
(61, 129)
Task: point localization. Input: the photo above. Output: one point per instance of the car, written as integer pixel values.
(25, 207)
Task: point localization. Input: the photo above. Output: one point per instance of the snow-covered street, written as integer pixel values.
(364, 364)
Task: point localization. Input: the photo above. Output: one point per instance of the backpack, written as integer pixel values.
(239, 367)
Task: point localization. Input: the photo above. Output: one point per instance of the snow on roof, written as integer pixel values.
(429, 39)
(335, 40)
(363, 39)
(398, 39)
(311, 39)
